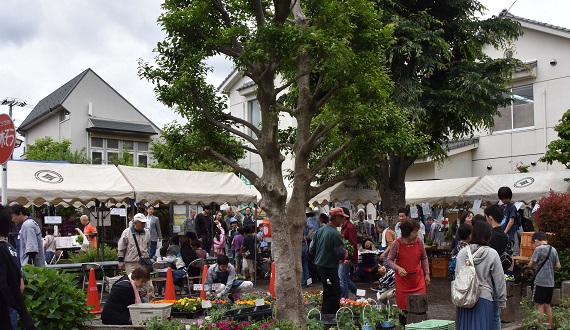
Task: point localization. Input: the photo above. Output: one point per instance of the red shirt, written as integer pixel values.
(348, 232)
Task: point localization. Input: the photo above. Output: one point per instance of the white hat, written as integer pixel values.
(361, 211)
(139, 217)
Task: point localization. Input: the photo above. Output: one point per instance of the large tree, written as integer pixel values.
(447, 85)
(307, 59)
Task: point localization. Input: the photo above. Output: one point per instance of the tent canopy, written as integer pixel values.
(350, 190)
(58, 183)
(153, 185)
(526, 187)
(448, 192)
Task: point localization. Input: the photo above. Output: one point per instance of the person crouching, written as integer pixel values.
(223, 273)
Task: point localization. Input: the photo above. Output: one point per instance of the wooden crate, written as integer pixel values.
(437, 272)
(440, 262)
(526, 239)
(526, 251)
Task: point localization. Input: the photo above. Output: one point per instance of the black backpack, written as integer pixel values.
(507, 256)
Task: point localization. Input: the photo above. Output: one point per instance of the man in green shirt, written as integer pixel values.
(325, 241)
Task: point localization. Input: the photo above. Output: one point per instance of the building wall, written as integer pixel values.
(48, 127)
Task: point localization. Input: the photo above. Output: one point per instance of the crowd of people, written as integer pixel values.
(330, 249)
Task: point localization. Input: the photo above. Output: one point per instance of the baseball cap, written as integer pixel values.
(232, 220)
(361, 211)
(139, 217)
(337, 211)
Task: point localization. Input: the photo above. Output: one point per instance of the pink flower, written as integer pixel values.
(265, 326)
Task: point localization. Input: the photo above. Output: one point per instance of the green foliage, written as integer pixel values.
(533, 320)
(90, 254)
(54, 299)
(179, 148)
(563, 274)
(123, 158)
(47, 149)
(171, 324)
(552, 217)
(559, 150)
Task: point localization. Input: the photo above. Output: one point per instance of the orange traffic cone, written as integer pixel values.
(204, 273)
(93, 294)
(169, 293)
(272, 280)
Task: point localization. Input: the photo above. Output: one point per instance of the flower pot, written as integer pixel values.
(387, 325)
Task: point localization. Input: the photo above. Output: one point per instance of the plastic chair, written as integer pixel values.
(103, 282)
(56, 257)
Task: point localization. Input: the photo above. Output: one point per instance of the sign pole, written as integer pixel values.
(7, 143)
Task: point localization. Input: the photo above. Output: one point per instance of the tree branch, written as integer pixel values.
(219, 6)
(259, 15)
(210, 119)
(330, 157)
(242, 121)
(282, 108)
(326, 97)
(250, 175)
(317, 137)
(314, 191)
(252, 150)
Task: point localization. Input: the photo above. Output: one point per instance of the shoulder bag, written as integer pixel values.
(539, 268)
(145, 262)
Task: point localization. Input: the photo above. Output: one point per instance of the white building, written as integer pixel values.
(520, 136)
(94, 116)
(526, 127)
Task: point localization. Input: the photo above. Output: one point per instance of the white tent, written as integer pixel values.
(526, 187)
(152, 185)
(349, 190)
(60, 183)
(448, 192)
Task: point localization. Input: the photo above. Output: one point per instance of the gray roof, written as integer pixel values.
(52, 101)
(451, 145)
(506, 14)
(120, 126)
(246, 85)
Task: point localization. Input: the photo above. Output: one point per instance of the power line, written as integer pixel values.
(508, 10)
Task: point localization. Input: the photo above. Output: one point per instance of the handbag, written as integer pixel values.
(145, 262)
(465, 289)
(539, 268)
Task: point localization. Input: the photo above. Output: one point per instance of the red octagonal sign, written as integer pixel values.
(7, 137)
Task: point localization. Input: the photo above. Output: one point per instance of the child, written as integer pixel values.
(49, 245)
(511, 221)
(546, 259)
(236, 245)
(386, 283)
(464, 233)
(197, 246)
(219, 242)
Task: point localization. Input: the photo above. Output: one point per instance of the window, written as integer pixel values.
(142, 146)
(520, 113)
(112, 157)
(96, 142)
(254, 114)
(128, 145)
(143, 161)
(112, 144)
(96, 158)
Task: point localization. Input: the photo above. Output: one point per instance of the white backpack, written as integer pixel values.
(465, 289)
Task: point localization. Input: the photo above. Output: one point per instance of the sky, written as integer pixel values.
(44, 44)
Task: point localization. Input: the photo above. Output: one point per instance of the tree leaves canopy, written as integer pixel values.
(49, 150)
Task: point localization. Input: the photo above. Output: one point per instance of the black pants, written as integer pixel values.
(331, 289)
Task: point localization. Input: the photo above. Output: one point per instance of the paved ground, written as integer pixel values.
(439, 303)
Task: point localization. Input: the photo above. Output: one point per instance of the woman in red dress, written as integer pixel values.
(409, 261)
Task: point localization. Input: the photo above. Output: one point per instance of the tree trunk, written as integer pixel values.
(287, 223)
(392, 183)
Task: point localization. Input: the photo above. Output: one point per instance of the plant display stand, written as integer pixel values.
(255, 313)
(432, 325)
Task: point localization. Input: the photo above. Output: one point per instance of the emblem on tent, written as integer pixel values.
(48, 176)
(524, 182)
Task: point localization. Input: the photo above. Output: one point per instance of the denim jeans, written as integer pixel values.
(305, 261)
(346, 283)
(496, 312)
(13, 317)
(152, 248)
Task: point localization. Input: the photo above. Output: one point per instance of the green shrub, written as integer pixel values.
(54, 299)
(90, 254)
(563, 274)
